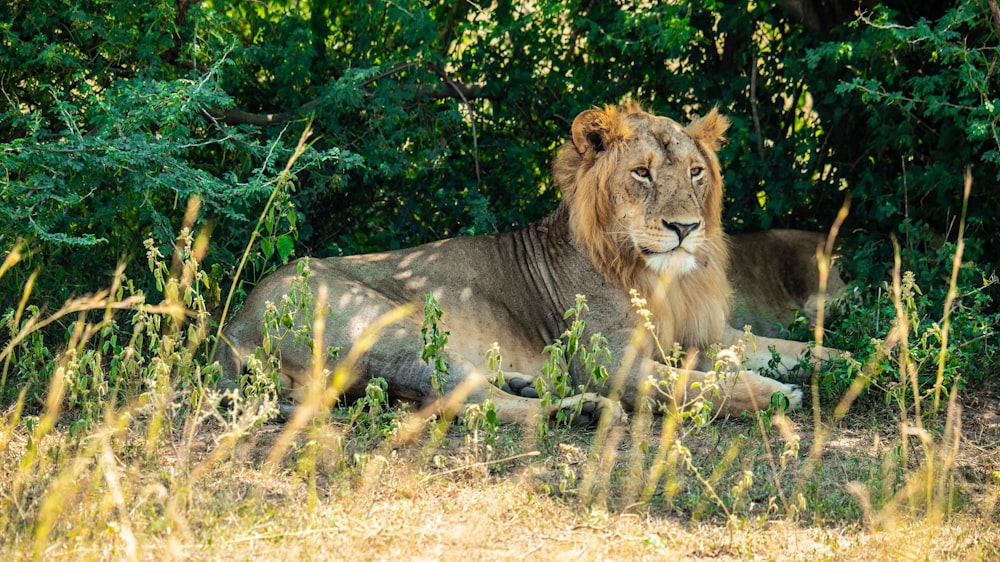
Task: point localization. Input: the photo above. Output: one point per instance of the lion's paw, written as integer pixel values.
(587, 410)
(520, 385)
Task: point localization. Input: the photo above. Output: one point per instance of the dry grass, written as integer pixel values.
(440, 501)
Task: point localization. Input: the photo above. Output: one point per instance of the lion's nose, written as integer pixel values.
(681, 229)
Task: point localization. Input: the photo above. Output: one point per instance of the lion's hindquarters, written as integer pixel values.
(393, 352)
(775, 277)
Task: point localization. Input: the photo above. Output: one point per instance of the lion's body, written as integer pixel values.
(490, 284)
(775, 277)
(641, 209)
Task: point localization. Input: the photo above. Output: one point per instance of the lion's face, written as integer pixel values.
(660, 203)
(644, 192)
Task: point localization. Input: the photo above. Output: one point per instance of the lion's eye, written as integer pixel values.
(641, 173)
(697, 171)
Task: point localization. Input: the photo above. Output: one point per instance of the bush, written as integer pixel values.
(438, 120)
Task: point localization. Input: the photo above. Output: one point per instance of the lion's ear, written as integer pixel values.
(710, 129)
(595, 130)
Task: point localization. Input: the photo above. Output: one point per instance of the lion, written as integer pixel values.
(775, 278)
(640, 211)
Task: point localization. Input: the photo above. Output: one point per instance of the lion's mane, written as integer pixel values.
(691, 308)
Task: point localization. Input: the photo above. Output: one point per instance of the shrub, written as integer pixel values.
(439, 120)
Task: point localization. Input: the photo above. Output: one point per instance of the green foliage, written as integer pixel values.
(482, 430)
(33, 359)
(915, 102)
(571, 354)
(371, 417)
(122, 353)
(919, 102)
(433, 120)
(108, 136)
(434, 341)
(897, 368)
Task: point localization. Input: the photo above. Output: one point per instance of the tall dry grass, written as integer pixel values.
(134, 454)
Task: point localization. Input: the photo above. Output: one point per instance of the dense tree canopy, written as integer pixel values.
(439, 119)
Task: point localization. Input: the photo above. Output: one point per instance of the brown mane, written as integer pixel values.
(690, 309)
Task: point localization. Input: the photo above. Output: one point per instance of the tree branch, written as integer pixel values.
(452, 89)
(238, 117)
(995, 10)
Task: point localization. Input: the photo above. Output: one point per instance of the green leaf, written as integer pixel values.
(285, 246)
(267, 246)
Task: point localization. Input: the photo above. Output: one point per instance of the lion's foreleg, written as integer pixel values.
(475, 388)
(585, 409)
(728, 393)
(734, 393)
(784, 356)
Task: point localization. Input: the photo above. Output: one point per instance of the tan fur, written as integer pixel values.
(641, 210)
(775, 277)
(702, 299)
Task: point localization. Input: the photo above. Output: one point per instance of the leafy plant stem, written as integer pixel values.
(279, 183)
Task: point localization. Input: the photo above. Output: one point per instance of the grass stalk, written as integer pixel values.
(949, 300)
(280, 183)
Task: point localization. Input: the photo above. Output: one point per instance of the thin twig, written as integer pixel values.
(753, 103)
(394, 70)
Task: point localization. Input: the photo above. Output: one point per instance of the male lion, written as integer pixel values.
(641, 210)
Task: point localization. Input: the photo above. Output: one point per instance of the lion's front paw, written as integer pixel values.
(518, 384)
(587, 410)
